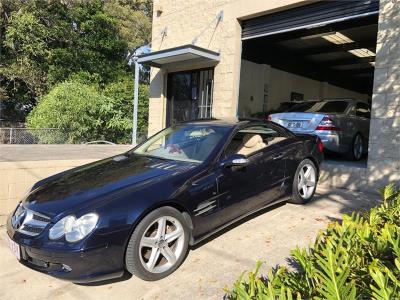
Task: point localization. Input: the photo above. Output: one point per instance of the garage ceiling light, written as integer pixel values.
(337, 38)
(362, 52)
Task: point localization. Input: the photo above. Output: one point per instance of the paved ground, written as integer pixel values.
(57, 152)
(208, 268)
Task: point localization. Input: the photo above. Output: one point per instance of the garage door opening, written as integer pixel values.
(325, 50)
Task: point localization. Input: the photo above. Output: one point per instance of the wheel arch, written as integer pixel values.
(169, 203)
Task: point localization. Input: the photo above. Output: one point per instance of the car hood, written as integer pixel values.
(84, 184)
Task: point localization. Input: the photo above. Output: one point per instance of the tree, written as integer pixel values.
(133, 20)
(45, 42)
(121, 93)
(85, 113)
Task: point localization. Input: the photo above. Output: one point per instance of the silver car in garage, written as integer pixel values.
(342, 124)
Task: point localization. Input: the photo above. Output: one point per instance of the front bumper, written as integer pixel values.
(82, 265)
(79, 267)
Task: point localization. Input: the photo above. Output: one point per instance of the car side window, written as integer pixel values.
(363, 110)
(252, 139)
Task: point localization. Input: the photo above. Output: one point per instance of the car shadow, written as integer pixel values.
(236, 224)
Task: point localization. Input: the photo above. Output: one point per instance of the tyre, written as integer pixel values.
(158, 245)
(357, 148)
(304, 183)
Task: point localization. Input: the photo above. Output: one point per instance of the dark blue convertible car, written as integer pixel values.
(140, 211)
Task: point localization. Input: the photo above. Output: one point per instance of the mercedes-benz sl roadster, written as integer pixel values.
(140, 211)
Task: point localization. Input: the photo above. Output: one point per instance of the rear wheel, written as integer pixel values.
(357, 148)
(158, 245)
(304, 183)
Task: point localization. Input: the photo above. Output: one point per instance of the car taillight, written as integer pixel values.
(320, 146)
(327, 124)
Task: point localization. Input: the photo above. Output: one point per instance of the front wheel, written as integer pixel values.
(304, 183)
(158, 244)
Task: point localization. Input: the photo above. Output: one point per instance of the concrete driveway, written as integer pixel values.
(210, 267)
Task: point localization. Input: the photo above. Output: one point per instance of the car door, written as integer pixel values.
(245, 189)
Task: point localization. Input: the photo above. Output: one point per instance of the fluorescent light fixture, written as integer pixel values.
(362, 52)
(337, 38)
(372, 63)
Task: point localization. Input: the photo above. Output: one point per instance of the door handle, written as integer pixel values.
(278, 157)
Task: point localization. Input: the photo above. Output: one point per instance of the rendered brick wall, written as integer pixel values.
(384, 147)
(187, 19)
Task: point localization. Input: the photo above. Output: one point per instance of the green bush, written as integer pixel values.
(84, 112)
(74, 108)
(358, 258)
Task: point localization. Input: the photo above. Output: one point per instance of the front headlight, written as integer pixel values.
(74, 229)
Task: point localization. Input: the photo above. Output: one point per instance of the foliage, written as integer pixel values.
(121, 93)
(44, 43)
(86, 113)
(358, 258)
(133, 20)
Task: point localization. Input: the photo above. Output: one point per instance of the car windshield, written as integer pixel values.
(185, 142)
(327, 107)
(284, 106)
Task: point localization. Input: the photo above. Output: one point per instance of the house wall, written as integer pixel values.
(186, 20)
(278, 85)
(384, 139)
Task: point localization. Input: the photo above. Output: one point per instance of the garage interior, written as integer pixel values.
(321, 50)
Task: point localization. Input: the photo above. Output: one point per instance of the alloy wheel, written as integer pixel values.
(358, 147)
(306, 181)
(162, 244)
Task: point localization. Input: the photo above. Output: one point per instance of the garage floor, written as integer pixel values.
(210, 267)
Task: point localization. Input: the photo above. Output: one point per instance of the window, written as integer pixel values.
(250, 140)
(296, 96)
(363, 110)
(189, 95)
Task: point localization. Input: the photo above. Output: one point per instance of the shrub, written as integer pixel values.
(74, 108)
(358, 258)
(84, 112)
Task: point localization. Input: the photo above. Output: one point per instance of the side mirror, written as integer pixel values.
(235, 160)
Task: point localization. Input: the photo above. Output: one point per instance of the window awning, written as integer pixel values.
(182, 54)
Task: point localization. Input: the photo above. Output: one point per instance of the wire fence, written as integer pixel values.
(13, 135)
(32, 136)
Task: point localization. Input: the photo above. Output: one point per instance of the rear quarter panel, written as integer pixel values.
(350, 125)
(302, 146)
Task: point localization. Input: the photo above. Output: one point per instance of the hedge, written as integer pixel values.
(357, 258)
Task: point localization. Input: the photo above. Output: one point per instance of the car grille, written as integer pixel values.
(28, 221)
